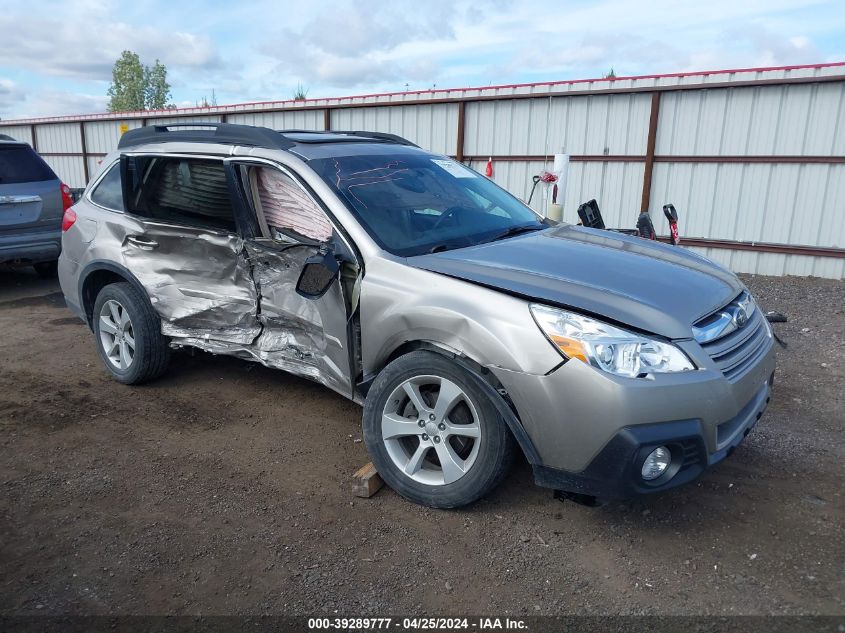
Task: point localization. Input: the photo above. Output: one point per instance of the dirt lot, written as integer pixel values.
(225, 488)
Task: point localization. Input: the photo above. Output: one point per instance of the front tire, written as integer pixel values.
(128, 335)
(433, 432)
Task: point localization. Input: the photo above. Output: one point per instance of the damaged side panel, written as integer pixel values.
(198, 281)
(306, 337)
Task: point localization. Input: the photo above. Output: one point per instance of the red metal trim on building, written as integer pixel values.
(761, 247)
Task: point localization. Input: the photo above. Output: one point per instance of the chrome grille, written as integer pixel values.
(738, 351)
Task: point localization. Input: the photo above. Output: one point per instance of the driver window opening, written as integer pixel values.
(287, 212)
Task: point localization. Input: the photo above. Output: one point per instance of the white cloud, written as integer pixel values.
(260, 50)
(88, 50)
(52, 103)
(11, 95)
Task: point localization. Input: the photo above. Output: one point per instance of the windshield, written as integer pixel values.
(416, 203)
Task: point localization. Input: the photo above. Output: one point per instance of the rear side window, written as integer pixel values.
(188, 191)
(108, 192)
(20, 163)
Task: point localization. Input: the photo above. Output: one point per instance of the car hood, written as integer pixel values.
(645, 285)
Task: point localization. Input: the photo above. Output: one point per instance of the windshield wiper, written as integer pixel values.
(516, 230)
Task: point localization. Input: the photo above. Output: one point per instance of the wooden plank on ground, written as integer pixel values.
(366, 481)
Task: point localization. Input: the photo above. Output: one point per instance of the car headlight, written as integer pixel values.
(607, 347)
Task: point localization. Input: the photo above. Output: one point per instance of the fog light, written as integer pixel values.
(656, 463)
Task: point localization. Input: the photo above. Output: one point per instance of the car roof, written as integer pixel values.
(305, 143)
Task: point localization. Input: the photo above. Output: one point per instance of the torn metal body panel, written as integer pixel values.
(283, 330)
(198, 281)
(305, 336)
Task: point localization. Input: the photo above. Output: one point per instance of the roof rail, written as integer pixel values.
(250, 135)
(219, 133)
(375, 136)
(384, 136)
(379, 136)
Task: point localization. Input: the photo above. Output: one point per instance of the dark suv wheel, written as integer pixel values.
(47, 270)
(433, 433)
(128, 335)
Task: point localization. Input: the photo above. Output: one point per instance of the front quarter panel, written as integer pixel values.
(401, 304)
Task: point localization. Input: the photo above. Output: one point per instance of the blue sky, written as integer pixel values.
(56, 57)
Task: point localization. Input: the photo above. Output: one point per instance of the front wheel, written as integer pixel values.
(433, 433)
(128, 335)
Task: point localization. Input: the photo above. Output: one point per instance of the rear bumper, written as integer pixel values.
(43, 246)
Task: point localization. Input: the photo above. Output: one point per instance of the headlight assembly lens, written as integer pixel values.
(607, 347)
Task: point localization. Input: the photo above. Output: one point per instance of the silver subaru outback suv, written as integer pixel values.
(468, 327)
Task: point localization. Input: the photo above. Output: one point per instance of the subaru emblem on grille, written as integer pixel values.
(730, 319)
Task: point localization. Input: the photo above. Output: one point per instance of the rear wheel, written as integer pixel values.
(47, 270)
(433, 433)
(128, 335)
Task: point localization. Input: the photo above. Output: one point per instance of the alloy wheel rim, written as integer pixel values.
(431, 430)
(116, 334)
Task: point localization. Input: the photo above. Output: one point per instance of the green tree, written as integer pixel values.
(127, 90)
(300, 93)
(138, 87)
(156, 90)
(611, 74)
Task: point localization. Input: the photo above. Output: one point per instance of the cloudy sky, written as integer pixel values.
(56, 57)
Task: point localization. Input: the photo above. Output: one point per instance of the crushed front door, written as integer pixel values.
(304, 336)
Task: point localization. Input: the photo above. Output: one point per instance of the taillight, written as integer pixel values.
(68, 219)
(67, 199)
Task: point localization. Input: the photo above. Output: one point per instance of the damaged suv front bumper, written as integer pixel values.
(592, 432)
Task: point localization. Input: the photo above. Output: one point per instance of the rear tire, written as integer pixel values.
(424, 412)
(46, 270)
(128, 335)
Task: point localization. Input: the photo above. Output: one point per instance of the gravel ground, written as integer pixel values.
(224, 488)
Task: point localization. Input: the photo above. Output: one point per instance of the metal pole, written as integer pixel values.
(649, 153)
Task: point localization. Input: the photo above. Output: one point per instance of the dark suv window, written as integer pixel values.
(108, 192)
(189, 191)
(20, 163)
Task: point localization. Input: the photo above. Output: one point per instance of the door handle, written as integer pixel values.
(142, 242)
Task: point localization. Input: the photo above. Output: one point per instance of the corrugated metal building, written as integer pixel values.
(753, 159)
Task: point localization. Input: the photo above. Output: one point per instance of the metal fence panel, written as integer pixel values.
(58, 138)
(433, 127)
(18, 132)
(213, 118)
(796, 120)
(69, 169)
(302, 120)
(799, 204)
(101, 137)
(594, 125)
(747, 185)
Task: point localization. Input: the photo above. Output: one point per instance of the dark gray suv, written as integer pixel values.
(467, 326)
(32, 201)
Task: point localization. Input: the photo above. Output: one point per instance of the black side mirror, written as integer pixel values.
(318, 274)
